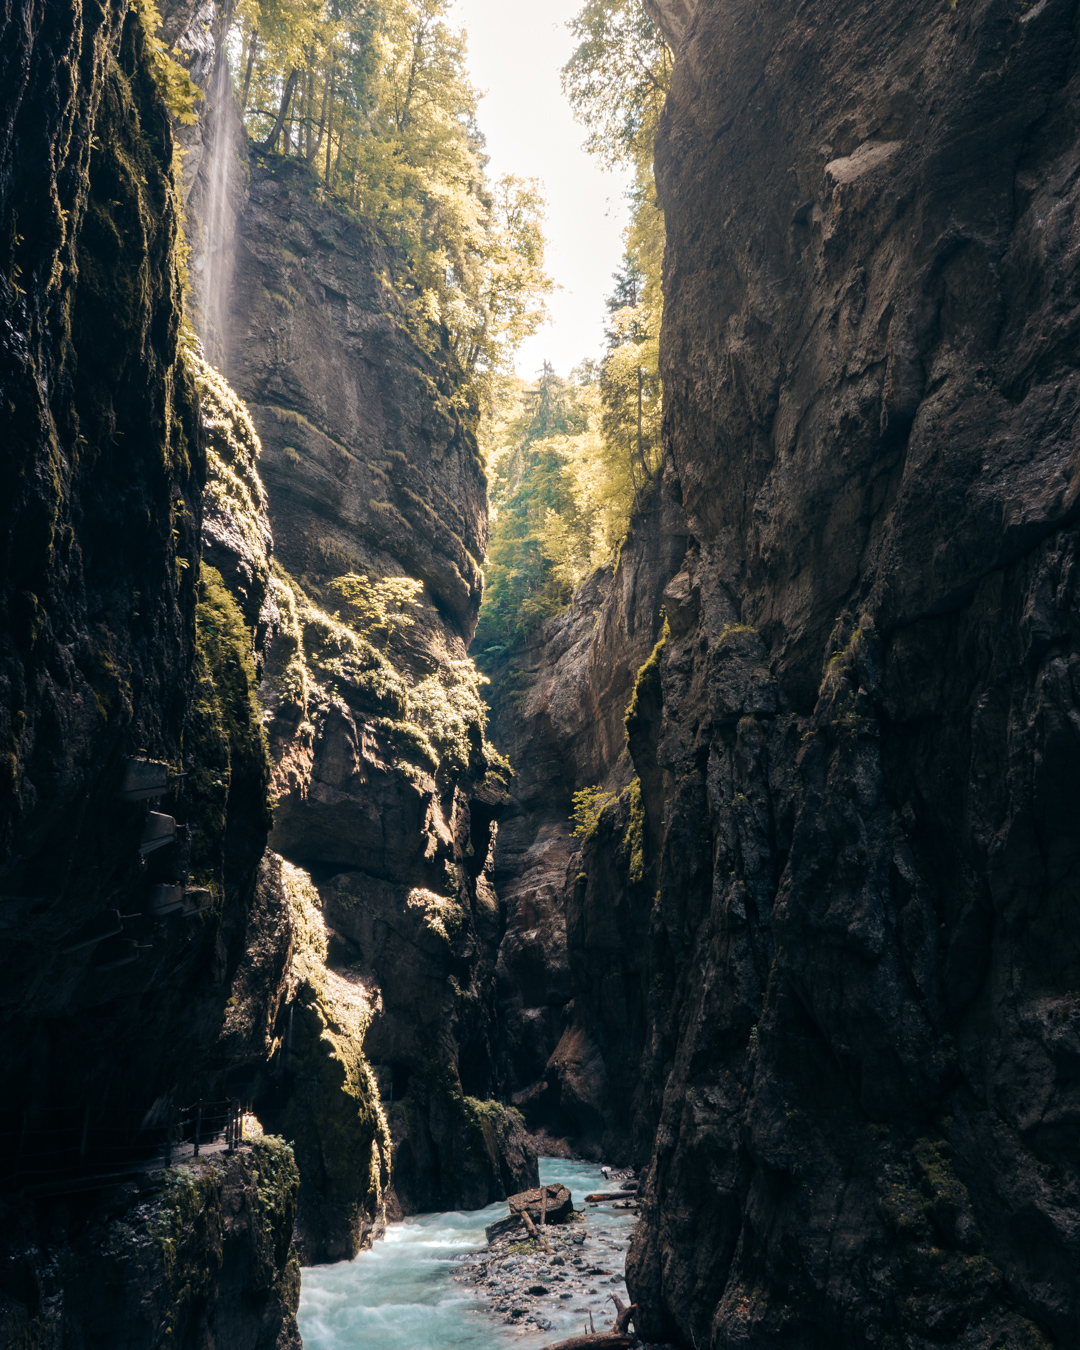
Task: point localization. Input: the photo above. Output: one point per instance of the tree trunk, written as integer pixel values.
(283, 112)
(640, 451)
(305, 116)
(253, 42)
(600, 1341)
(328, 116)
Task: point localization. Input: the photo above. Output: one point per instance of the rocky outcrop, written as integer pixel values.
(673, 17)
(366, 456)
(569, 950)
(867, 854)
(855, 747)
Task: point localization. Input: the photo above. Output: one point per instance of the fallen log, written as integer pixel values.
(550, 1204)
(543, 1205)
(501, 1226)
(598, 1196)
(601, 1341)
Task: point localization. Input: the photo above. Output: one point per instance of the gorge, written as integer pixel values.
(755, 865)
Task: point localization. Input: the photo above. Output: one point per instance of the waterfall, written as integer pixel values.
(215, 265)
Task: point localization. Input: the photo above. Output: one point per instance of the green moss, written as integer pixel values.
(316, 651)
(190, 1224)
(486, 1127)
(188, 1193)
(938, 1175)
(333, 1116)
(225, 742)
(589, 805)
(233, 451)
(447, 706)
(635, 834)
(646, 693)
(442, 916)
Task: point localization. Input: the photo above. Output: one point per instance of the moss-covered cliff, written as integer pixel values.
(123, 916)
(202, 1251)
(386, 787)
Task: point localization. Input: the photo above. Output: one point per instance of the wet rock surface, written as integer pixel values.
(561, 723)
(204, 1250)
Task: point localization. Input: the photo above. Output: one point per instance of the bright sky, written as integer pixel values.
(516, 50)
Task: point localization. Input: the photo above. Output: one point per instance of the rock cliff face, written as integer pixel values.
(856, 868)
(205, 1258)
(571, 960)
(386, 788)
(116, 645)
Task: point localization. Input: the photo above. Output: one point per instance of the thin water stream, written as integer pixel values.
(402, 1294)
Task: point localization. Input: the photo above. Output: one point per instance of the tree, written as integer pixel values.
(376, 98)
(568, 461)
(617, 78)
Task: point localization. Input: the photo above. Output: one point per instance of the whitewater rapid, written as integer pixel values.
(402, 1294)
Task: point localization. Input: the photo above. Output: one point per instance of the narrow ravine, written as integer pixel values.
(413, 1291)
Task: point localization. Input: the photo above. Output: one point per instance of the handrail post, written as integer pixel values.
(22, 1143)
(230, 1131)
(198, 1126)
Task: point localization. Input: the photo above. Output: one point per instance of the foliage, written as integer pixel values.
(376, 98)
(318, 652)
(589, 805)
(617, 78)
(541, 536)
(436, 721)
(570, 461)
(178, 89)
(448, 708)
(441, 915)
(380, 606)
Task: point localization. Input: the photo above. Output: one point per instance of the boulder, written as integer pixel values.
(559, 1204)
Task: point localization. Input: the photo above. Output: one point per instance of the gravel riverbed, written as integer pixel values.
(571, 1282)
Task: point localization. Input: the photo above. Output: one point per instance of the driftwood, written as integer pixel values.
(597, 1196)
(533, 1231)
(623, 1315)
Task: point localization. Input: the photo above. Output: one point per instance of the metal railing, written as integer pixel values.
(50, 1150)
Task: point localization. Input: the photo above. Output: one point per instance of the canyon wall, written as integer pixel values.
(120, 655)
(848, 868)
